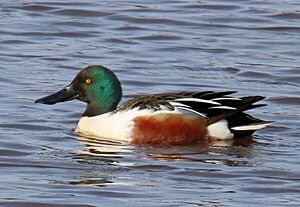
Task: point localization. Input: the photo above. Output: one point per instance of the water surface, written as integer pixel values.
(173, 45)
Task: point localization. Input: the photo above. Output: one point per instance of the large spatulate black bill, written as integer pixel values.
(66, 94)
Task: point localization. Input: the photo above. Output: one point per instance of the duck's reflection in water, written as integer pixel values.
(112, 161)
(235, 152)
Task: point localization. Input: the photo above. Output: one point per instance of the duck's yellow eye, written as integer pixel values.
(88, 81)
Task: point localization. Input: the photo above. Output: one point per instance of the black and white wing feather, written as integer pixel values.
(214, 106)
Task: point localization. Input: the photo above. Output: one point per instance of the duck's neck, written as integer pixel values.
(93, 109)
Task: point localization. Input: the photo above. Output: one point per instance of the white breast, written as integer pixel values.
(110, 125)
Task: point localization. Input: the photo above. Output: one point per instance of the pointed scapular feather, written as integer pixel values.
(226, 98)
(179, 104)
(223, 107)
(191, 110)
(244, 105)
(198, 100)
(255, 106)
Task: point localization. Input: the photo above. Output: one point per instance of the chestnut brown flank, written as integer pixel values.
(166, 130)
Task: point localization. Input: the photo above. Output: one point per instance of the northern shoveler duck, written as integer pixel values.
(158, 119)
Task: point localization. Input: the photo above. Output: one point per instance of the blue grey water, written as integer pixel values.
(153, 47)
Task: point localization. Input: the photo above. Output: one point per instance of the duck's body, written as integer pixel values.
(173, 119)
(145, 127)
(159, 119)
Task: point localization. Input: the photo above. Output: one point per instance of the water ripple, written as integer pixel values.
(154, 47)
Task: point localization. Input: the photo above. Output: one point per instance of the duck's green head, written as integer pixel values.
(96, 85)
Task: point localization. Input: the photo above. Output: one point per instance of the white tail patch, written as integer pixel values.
(220, 130)
(198, 100)
(223, 107)
(251, 127)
